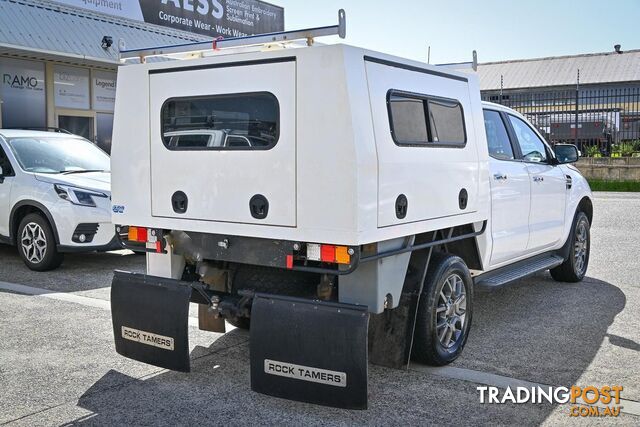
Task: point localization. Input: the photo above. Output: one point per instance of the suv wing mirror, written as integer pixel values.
(566, 153)
(1, 175)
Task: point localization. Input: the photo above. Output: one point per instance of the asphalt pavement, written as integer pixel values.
(58, 365)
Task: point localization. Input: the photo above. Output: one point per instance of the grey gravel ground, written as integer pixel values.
(58, 366)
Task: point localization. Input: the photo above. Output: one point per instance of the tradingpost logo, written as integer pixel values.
(587, 401)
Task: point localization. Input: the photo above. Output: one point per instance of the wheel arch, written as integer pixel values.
(24, 208)
(586, 206)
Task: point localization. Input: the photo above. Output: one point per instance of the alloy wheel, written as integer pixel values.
(451, 311)
(34, 242)
(580, 247)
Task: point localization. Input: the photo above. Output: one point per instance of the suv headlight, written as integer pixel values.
(77, 196)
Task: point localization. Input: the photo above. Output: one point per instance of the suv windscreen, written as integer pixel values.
(497, 137)
(532, 147)
(56, 155)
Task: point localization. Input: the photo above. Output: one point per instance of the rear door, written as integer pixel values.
(510, 192)
(223, 180)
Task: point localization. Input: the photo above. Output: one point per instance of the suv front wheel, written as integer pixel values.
(575, 266)
(37, 244)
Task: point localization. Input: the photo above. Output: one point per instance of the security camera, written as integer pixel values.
(107, 41)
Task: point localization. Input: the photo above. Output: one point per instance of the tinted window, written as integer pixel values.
(409, 120)
(532, 147)
(446, 121)
(221, 122)
(423, 120)
(497, 137)
(194, 140)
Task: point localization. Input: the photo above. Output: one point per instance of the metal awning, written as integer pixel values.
(45, 30)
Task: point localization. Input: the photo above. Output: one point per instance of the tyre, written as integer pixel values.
(37, 244)
(444, 312)
(575, 266)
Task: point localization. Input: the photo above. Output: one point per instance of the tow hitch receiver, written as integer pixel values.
(150, 319)
(310, 351)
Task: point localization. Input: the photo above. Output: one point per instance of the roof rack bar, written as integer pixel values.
(285, 36)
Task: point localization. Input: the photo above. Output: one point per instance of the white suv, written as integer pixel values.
(54, 196)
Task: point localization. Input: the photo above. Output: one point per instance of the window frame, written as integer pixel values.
(515, 147)
(427, 98)
(550, 160)
(12, 171)
(226, 95)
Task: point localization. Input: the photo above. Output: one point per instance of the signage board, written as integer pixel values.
(22, 91)
(71, 87)
(104, 90)
(214, 18)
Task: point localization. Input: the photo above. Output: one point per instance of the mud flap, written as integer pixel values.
(150, 319)
(391, 332)
(310, 351)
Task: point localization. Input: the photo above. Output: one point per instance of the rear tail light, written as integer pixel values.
(329, 253)
(137, 234)
(151, 238)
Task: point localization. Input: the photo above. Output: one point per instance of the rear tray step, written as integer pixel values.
(519, 270)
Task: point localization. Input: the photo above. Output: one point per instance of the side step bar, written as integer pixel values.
(502, 276)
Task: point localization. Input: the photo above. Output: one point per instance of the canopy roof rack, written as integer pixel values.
(198, 48)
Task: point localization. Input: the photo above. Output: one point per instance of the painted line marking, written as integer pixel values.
(628, 406)
(66, 297)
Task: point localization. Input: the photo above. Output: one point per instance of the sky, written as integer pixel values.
(497, 29)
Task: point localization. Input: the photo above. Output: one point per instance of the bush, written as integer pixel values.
(624, 149)
(593, 151)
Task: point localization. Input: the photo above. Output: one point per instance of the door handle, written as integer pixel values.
(499, 176)
(538, 179)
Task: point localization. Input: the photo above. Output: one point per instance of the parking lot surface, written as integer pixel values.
(58, 364)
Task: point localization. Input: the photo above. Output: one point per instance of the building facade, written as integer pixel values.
(591, 100)
(58, 61)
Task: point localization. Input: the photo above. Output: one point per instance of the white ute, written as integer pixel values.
(371, 195)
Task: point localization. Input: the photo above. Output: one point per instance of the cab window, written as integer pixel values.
(497, 137)
(532, 148)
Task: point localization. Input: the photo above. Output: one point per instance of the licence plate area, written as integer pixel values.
(218, 161)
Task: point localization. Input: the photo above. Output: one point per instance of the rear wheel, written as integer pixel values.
(444, 311)
(37, 244)
(575, 266)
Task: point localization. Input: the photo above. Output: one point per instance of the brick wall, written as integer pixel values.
(610, 169)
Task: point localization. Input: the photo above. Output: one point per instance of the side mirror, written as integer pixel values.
(566, 153)
(1, 175)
